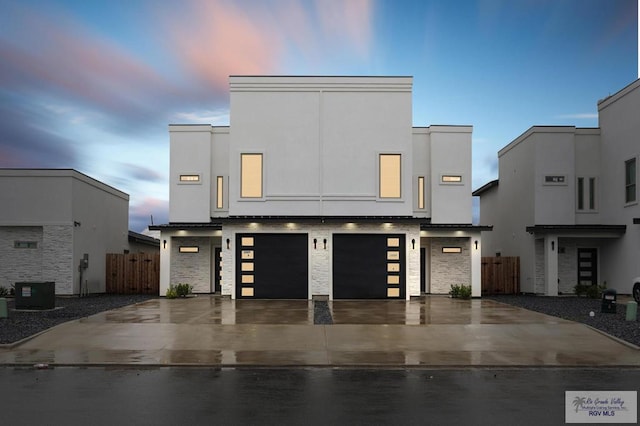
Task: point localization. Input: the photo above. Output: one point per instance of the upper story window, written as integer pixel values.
(451, 179)
(586, 193)
(192, 178)
(630, 181)
(421, 192)
(389, 173)
(251, 175)
(219, 192)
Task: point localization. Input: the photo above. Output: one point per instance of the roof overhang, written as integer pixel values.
(454, 227)
(579, 231)
(486, 187)
(135, 237)
(322, 219)
(186, 226)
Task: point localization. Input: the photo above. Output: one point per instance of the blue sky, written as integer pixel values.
(88, 85)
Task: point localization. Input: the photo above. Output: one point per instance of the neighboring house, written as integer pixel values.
(50, 220)
(320, 186)
(140, 243)
(566, 201)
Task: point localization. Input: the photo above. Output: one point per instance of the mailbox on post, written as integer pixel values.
(609, 299)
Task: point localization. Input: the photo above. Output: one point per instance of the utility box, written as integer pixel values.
(609, 299)
(35, 295)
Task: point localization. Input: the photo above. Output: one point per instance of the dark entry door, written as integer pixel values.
(368, 266)
(217, 263)
(588, 266)
(272, 266)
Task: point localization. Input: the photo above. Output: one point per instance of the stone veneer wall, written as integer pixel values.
(449, 269)
(192, 268)
(540, 270)
(20, 264)
(567, 265)
(52, 260)
(57, 257)
(319, 258)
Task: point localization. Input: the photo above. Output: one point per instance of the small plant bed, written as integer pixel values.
(460, 291)
(179, 290)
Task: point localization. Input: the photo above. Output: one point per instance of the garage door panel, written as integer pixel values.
(368, 266)
(272, 266)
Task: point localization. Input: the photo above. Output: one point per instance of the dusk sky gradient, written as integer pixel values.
(92, 85)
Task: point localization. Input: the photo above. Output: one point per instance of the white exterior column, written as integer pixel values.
(551, 265)
(476, 265)
(165, 261)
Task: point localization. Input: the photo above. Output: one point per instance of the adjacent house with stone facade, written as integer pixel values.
(320, 186)
(51, 220)
(566, 201)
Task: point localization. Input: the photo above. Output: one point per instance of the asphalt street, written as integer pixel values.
(311, 396)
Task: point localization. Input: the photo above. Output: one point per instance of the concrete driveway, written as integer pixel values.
(214, 331)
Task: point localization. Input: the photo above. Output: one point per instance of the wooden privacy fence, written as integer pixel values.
(137, 273)
(500, 275)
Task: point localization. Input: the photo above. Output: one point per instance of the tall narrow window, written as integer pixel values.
(389, 175)
(251, 175)
(421, 192)
(630, 181)
(219, 192)
(580, 193)
(592, 193)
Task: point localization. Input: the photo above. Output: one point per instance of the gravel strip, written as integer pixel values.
(321, 313)
(21, 324)
(578, 309)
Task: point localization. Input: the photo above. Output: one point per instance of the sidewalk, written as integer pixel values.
(214, 331)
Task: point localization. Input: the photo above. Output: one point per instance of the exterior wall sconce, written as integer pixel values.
(476, 244)
(325, 243)
(315, 241)
(164, 244)
(228, 244)
(413, 243)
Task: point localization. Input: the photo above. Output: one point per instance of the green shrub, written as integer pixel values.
(171, 292)
(460, 291)
(592, 291)
(183, 290)
(4, 292)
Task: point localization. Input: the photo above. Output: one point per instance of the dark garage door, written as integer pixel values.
(368, 266)
(272, 266)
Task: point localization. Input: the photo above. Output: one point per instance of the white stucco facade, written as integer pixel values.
(320, 143)
(560, 202)
(50, 219)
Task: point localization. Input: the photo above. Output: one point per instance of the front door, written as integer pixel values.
(588, 266)
(217, 262)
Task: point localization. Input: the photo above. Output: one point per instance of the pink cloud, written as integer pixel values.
(214, 39)
(56, 55)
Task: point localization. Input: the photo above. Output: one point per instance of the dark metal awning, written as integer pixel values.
(186, 226)
(579, 231)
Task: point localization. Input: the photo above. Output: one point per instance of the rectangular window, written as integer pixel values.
(189, 249)
(580, 193)
(190, 178)
(219, 192)
(451, 179)
(25, 244)
(251, 175)
(421, 192)
(630, 181)
(592, 193)
(390, 165)
(451, 249)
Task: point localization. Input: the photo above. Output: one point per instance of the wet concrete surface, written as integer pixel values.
(310, 396)
(216, 331)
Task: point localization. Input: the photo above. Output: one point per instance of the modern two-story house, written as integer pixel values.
(320, 186)
(566, 201)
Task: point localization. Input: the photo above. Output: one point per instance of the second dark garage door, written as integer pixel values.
(368, 266)
(272, 266)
